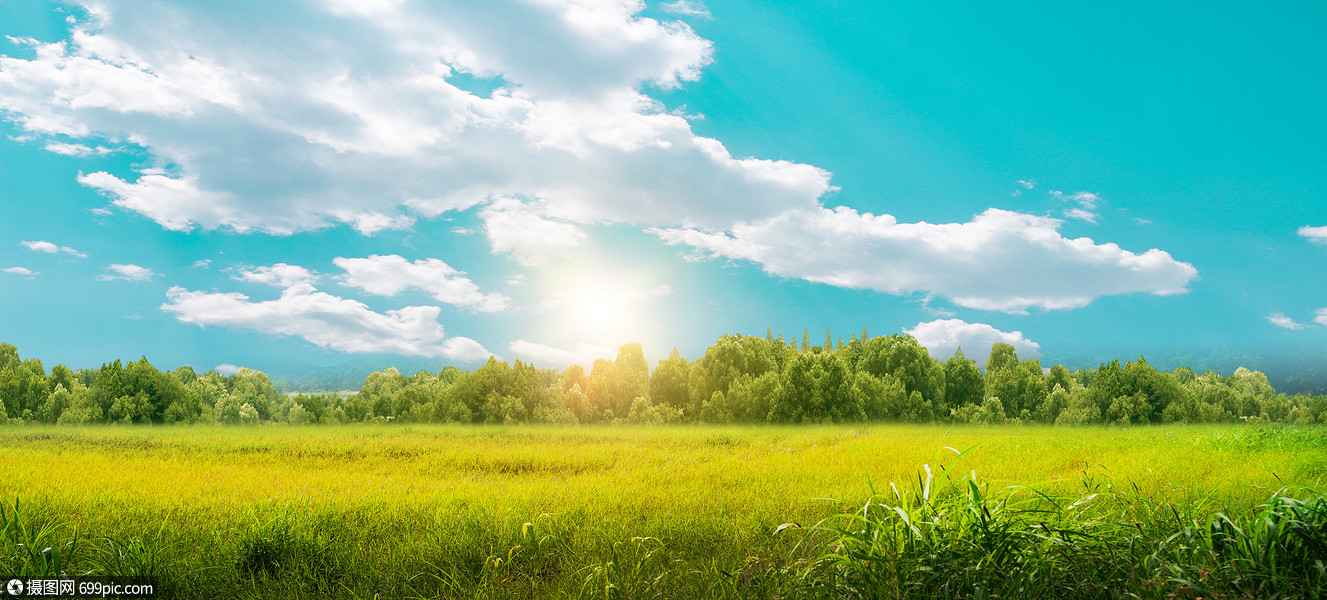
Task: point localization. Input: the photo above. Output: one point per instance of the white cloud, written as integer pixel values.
(392, 274)
(226, 369)
(40, 246)
(1082, 215)
(280, 275)
(942, 337)
(999, 260)
(291, 119)
(23, 271)
(375, 114)
(201, 263)
(1317, 235)
(326, 320)
(1027, 183)
(1321, 316)
(1086, 201)
(126, 272)
(687, 8)
(49, 248)
(79, 150)
(1285, 322)
(519, 229)
(560, 358)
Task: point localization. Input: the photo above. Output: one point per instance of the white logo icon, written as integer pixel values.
(15, 587)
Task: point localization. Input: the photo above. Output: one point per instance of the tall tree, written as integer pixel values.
(1003, 356)
(668, 384)
(816, 388)
(963, 381)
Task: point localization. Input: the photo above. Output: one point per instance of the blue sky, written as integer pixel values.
(265, 184)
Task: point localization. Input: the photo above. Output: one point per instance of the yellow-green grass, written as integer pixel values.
(436, 511)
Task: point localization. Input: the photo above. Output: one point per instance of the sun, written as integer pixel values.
(600, 310)
(599, 305)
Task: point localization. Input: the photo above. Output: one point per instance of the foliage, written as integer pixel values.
(740, 379)
(956, 537)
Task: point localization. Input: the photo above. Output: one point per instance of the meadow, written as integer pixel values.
(425, 511)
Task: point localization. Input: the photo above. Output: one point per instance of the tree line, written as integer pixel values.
(740, 379)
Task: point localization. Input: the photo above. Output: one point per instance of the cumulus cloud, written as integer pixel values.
(942, 337)
(22, 271)
(1321, 316)
(368, 114)
(686, 8)
(1317, 235)
(327, 321)
(999, 260)
(392, 274)
(375, 114)
(280, 275)
(560, 358)
(50, 248)
(521, 230)
(128, 272)
(1285, 322)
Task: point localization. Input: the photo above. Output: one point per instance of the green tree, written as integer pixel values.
(1060, 376)
(1082, 409)
(61, 375)
(1252, 391)
(668, 384)
(416, 399)
(82, 409)
(255, 389)
(749, 397)
(963, 381)
(1003, 356)
(816, 388)
(1156, 391)
(622, 381)
(902, 357)
(148, 395)
(380, 389)
(1105, 386)
(472, 390)
(1020, 386)
(731, 356)
(56, 404)
(24, 387)
(881, 398)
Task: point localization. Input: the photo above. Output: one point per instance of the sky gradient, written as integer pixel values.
(351, 182)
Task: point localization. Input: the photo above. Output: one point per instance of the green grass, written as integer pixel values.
(636, 512)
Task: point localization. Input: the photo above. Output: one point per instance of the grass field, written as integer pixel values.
(472, 511)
